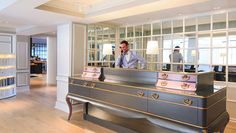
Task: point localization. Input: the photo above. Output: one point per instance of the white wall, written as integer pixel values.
(51, 60)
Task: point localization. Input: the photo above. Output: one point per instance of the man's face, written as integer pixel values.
(124, 48)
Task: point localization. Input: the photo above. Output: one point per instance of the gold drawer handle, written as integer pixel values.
(93, 85)
(188, 102)
(185, 78)
(155, 96)
(164, 83)
(164, 76)
(85, 83)
(140, 93)
(185, 86)
(94, 69)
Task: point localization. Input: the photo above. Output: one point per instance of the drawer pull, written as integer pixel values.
(85, 83)
(94, 69)
(93, 85)
(164, 76)
(140, 93)
(185, 86)
(188, 102)
(155, 96)
(163, 83)
(185, 78)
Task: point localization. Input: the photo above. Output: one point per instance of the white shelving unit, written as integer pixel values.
(7, 75)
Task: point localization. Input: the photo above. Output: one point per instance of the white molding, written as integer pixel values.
(61, 78)
(232, 119)
(22, 89)
(62, 106)
(229, 100)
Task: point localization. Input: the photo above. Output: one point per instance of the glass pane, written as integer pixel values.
(178, 41)
(137, 43)
(232, 74)
(204, 40)
(166, 54)
(190, 41)
(219, 56)
(232, 19)
(147, 30)
(190, 56)
(91, 30)
(122, 32)
(131, 43)
(91, 56)
(166, 27)
(156, 28)
(178, 26)
(130, 32)
(232, 39)
(189, 68)
(204, 68)
(99, 30)
(166, 67)
(190, 24)
(138, 31)
(204, 56)
(158, 39)
(219, 72)
(219, 21)
(219, 40)
(204, 23)
(231, 56)
(167, 42)
(145, 40)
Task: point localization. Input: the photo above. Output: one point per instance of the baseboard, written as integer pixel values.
(22, 89)
(62, 106)
(232, 119)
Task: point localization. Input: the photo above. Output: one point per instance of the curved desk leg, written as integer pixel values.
(68, 101)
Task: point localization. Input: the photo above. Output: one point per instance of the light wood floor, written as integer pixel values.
(33, 112)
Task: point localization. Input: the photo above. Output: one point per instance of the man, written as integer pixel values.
(177, 58)
(129, 59)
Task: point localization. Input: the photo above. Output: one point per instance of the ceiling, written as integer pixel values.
(31, 17)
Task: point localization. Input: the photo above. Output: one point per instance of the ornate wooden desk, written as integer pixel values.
(130, 102)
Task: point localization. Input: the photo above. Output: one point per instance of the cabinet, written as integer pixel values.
(7, 75)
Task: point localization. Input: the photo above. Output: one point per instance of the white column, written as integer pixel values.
(51, 60)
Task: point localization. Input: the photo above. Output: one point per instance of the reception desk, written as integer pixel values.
(123, 105)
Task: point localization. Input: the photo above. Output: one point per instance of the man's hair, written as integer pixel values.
(125, 42)
(176, 48)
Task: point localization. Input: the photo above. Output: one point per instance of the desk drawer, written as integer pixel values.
(139, 103)
(79, 90)
(173, 98)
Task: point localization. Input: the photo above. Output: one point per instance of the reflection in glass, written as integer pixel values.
(204, 56)
(146, 29)
(232, 19)
(190, 56)
(231, 56)
(137, 43)
(204, 23)
(219, 40)
(178, 26)
(190, 41)
(145, 40)
(166, 67)
(138, 31)
(219, 21)
(219, 72)
(122, 32)
(232, 73)
(232, 39)
(178, 41)
(130, 31)
(219, 56)
(190, 24)
(156, 28)
(167, 42)
(189, 68)
(132, 44)
(204, 40)
(204, 68)
(166, 27)
(166, 54)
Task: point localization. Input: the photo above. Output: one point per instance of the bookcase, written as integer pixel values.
(7, 75)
